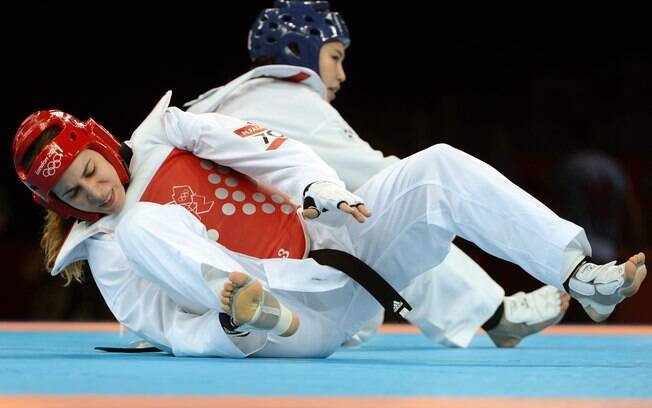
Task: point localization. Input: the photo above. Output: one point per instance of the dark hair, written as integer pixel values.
(260, 61)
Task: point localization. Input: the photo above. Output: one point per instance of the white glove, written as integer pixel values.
(332, 203)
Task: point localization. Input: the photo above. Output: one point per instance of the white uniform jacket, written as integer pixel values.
(297, 108)
(143, 306)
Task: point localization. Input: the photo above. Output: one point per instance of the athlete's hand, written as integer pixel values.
(329, 202)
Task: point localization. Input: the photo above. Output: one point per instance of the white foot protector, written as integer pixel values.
(526, 314)
(599, 288)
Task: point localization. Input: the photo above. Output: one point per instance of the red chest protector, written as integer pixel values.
(239, 213)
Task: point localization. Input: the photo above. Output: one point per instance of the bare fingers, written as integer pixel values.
(310, 213)
(359, 212)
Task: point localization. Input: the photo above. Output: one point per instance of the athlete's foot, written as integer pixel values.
(529, 313)
(252, 307)
(599, 288)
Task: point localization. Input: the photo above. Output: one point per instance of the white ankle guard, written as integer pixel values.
(270, 316)
(284, 321)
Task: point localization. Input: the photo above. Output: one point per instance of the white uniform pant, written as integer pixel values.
(450, 302)
(419, 205)
(453, 300)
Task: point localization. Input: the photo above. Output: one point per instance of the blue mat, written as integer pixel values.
(389, 365)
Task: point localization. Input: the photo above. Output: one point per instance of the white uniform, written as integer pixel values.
(420, 204)
(450, 301)
(171, 311)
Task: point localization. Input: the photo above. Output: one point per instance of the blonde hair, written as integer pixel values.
(55, 231)
(56, 227)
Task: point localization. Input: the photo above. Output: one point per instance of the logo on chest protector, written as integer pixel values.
(195, 203)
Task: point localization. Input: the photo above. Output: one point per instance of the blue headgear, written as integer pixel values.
(293, 32)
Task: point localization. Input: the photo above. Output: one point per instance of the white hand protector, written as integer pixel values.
(326, 197)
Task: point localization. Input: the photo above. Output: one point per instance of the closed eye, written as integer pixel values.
(70, 194)
(89, 169)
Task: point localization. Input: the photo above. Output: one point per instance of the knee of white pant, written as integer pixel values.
(135, 223)
(144, 211)
(430, 162)
(442, 151)
(441, 147)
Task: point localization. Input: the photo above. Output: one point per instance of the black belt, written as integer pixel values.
(369, 279)
(129, 349)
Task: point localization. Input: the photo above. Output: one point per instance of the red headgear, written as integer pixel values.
(59, 153)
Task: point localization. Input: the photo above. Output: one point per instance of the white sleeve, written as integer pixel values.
(264, 155)
(301, 114)
(146, 310)
(341, 148)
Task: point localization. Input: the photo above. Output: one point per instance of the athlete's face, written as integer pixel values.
(331, 57)
(91, 184)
